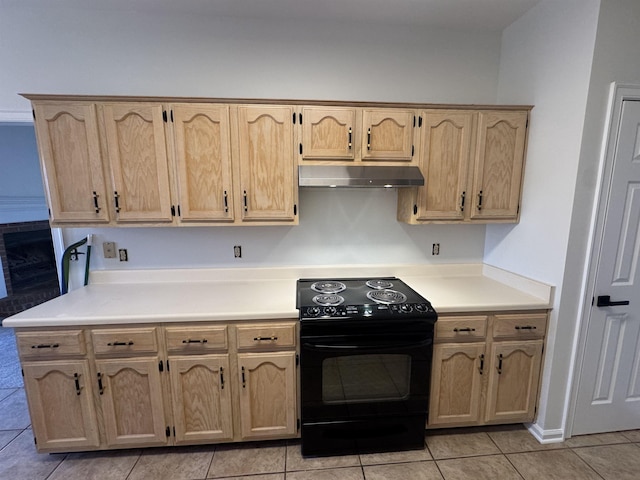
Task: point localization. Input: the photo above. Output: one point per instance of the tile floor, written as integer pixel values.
(496, 453)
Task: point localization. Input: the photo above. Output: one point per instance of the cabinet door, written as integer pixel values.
(499, 162)
(203, 162)
(513, 381)
(267, 394)
(268, 185)
(388, 134)
(201, 398)
(138, 161)
(328, 133)
(445, 157)
(61, 405)
(456, 383)
(72, 164)
(131, 399)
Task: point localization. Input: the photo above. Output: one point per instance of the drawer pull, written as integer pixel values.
(76, 378)
(45, 345)
(120, 344)
(272, 338)
(525, 327)
(466, 329)
(481, 363)
(190, 340)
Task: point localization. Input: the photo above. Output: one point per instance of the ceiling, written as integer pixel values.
(480, 15)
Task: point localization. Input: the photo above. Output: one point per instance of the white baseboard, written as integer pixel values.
(545, 436)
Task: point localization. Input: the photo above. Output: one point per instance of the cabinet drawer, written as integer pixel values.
(460, 329)
(196, 339)
(520, 326)
(124, 341)
(43, 344)
(266, 336)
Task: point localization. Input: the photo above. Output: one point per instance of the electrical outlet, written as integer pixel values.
(109, 249)
(124, 257)
(237, 251)
(435, 249)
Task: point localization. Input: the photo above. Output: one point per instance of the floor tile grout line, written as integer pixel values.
(586, 463)
(514, 467)
(134, 466)
(215, 449)
(56, 467)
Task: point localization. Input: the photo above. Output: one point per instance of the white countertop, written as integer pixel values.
(139, 296)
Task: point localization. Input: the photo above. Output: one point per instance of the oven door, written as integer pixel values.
(356, 376)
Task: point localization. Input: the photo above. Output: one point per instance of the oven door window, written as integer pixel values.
(366, 378)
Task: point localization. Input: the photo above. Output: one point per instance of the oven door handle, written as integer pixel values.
(383, 346)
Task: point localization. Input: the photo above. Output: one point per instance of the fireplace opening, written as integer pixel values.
(28, 266)
(30, 260)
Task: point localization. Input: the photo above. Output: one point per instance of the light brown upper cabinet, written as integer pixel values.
(388, 134)
(446, 153)
(499, 160)
(69, 145)
(472, 163)
(136, 149)
(202, 148)
(267, 164)
(328, 133)
(350, 135)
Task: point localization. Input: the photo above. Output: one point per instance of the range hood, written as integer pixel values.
(359, 176)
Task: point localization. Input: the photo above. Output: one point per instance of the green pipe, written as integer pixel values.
(66, 256)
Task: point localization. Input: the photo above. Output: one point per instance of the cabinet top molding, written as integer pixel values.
(264, 101)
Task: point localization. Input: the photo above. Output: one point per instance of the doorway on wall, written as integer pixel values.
(607, 388)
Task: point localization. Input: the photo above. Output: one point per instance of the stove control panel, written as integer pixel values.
(364, 311)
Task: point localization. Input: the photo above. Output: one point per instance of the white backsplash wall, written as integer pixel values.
(337, 227)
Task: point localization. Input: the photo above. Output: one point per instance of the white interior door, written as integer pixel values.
(608, 396)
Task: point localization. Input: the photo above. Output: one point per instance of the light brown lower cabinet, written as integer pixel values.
(154, 385)
(267, 394)
(201, 398)
(130, 395)
(61, 405)
(486, 369)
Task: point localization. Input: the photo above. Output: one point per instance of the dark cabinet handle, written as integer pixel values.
(120, 344)
(480, 200)
(245, 200)
(500, 364)
(525, 327)
(204, 340)
(350, 132)
(368, 139)
(260, 339)
(45, 345)
(481, 363)
(95, 202)
(462, 197)
(221, 378)
(76, 378)
(605, 301)
(466, 329)
(243, 379)
(116, 198)
(226, 202)
(100, 387)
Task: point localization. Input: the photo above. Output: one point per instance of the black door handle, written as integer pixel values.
(605, 301)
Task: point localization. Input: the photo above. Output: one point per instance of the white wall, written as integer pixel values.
(57, 50)
(130, 53)
(546, 61)
(337, 227)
